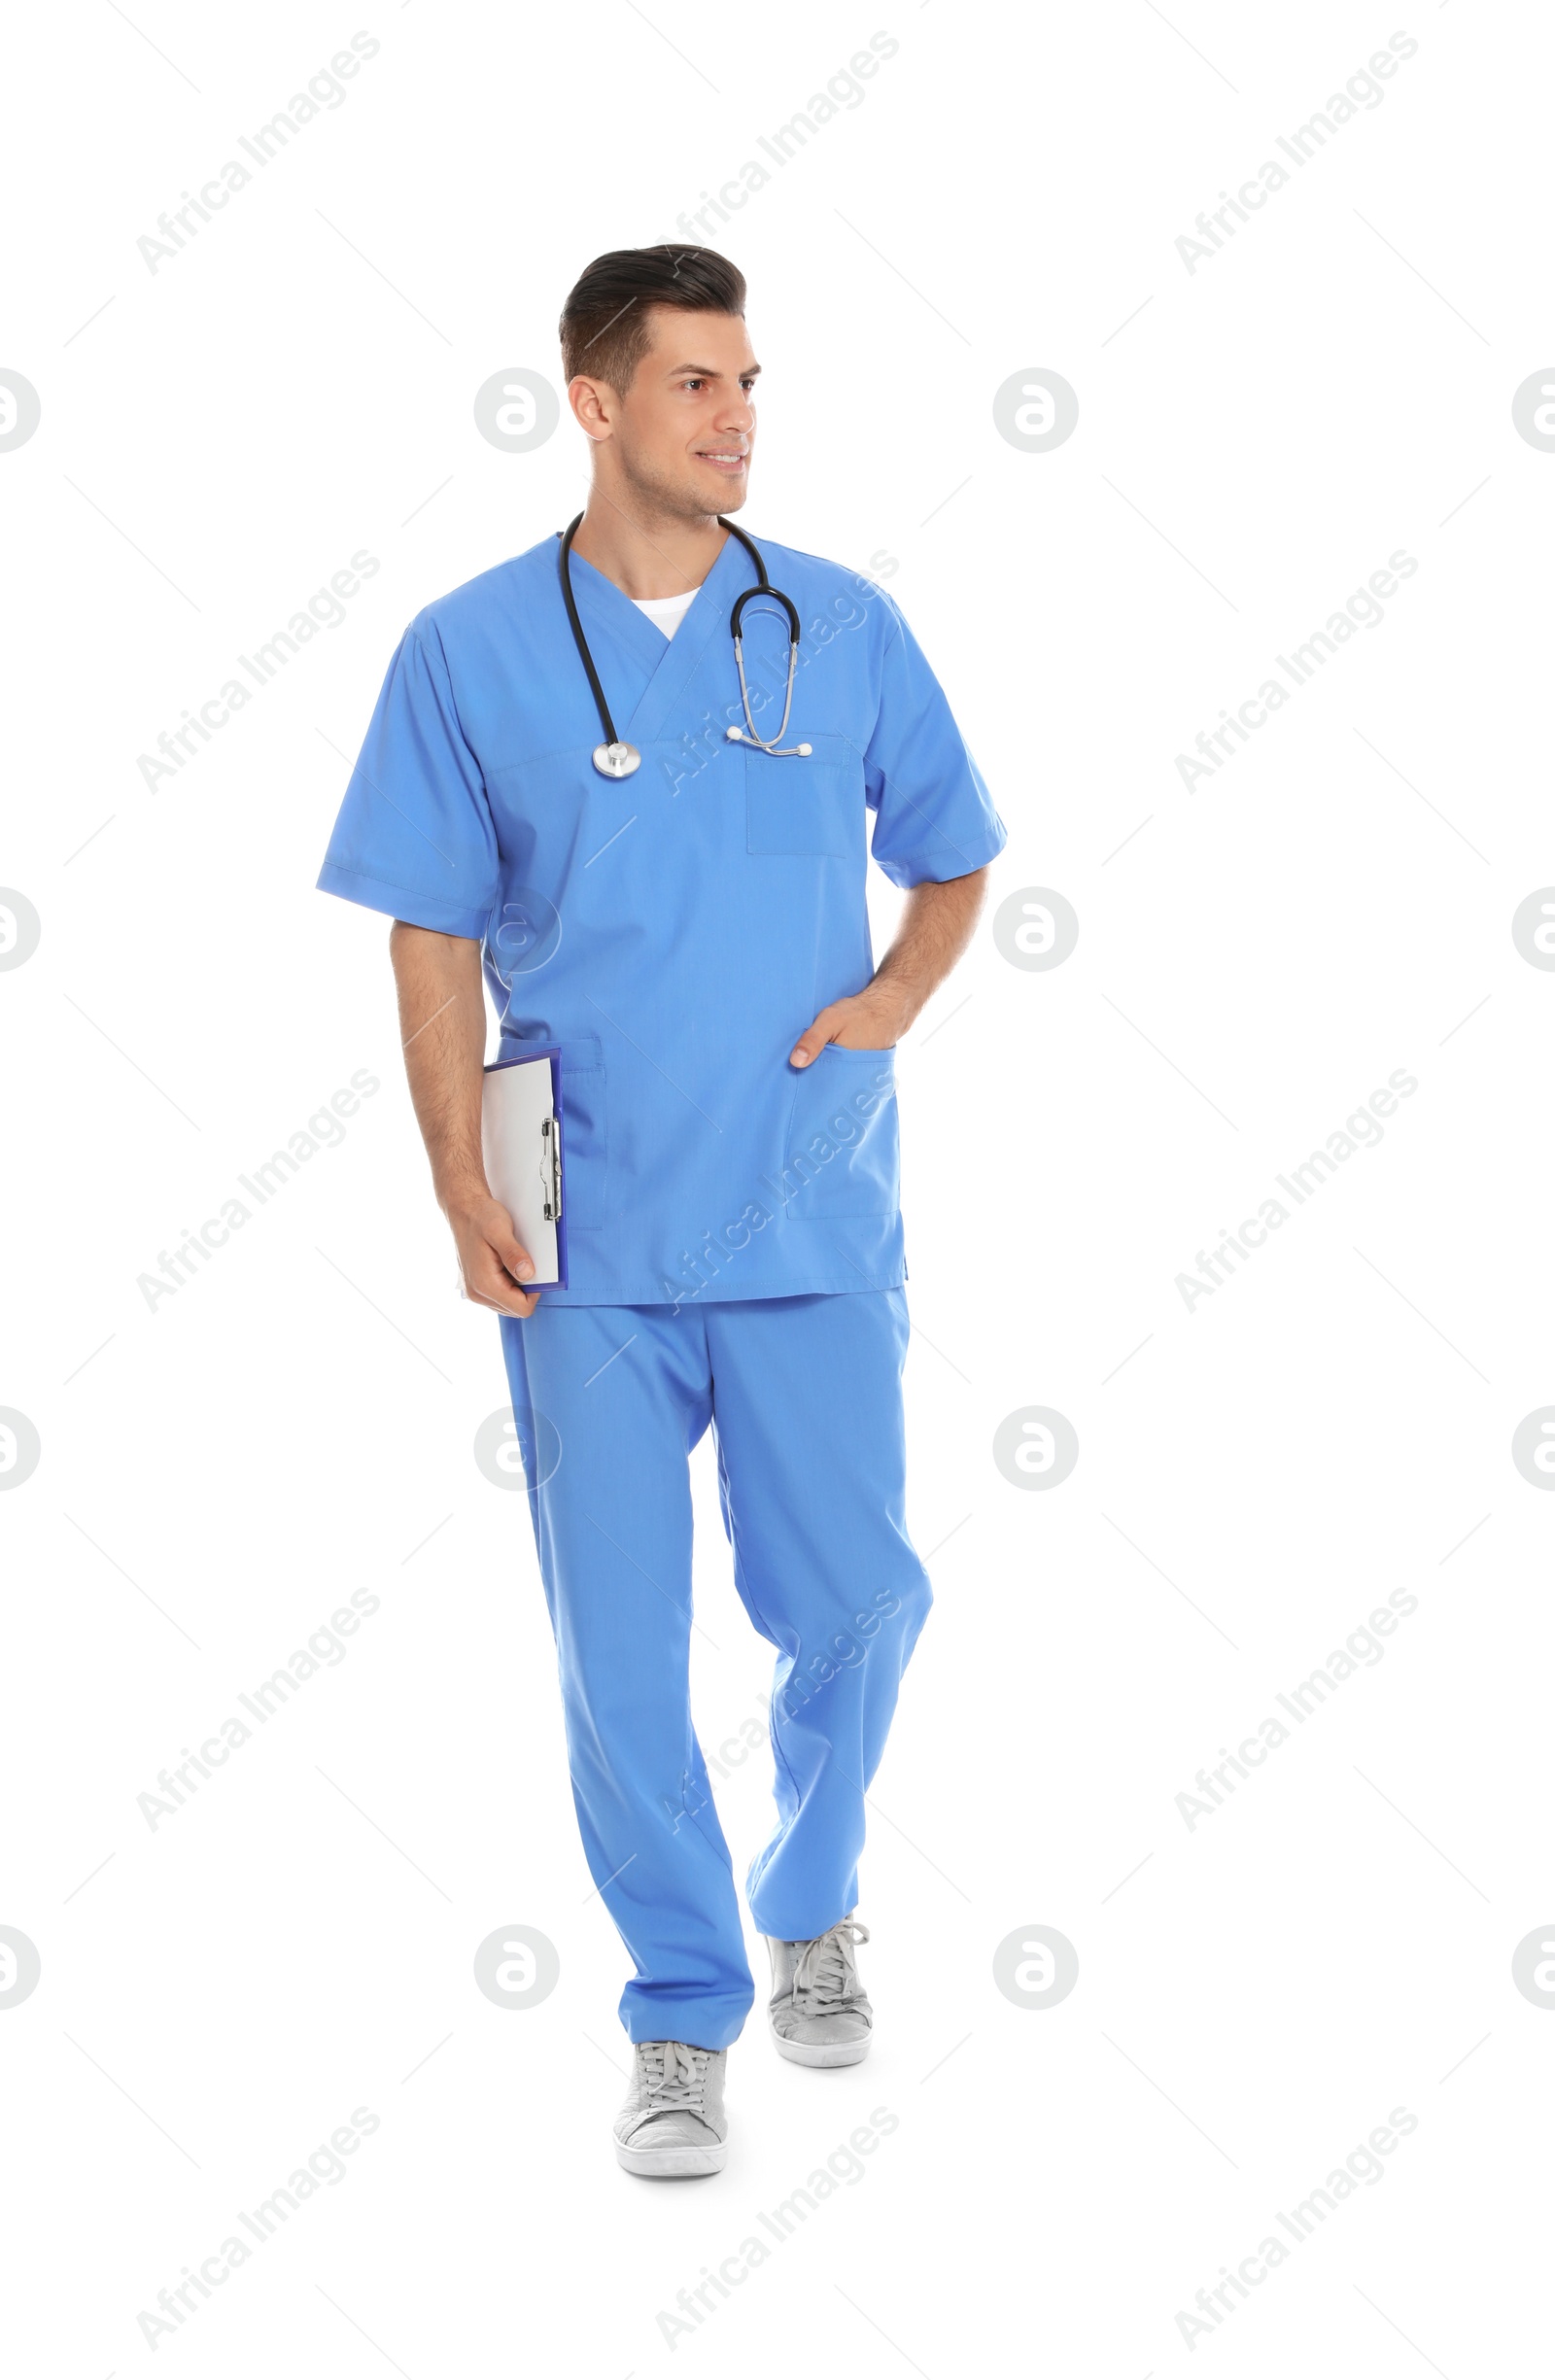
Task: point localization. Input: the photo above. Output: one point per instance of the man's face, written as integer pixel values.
(682, 435)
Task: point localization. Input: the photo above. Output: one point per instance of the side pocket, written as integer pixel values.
(585, 1139)
(842, 1154)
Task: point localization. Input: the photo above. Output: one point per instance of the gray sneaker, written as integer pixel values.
(673, 2122)
(819, 2012)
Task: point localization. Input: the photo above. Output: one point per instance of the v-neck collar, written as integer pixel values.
(671, 671)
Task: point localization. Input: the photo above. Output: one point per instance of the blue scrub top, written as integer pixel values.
(676, 930)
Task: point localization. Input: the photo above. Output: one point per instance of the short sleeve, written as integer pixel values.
(414, 837)
(935, 817)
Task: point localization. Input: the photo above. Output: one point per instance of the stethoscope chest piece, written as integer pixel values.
(616, 759)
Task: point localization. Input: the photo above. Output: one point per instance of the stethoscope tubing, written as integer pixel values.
(578, 638)
(763, 587)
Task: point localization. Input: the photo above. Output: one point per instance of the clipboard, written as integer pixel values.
(521, 1143)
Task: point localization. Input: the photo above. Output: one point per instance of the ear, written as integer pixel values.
(591, 402)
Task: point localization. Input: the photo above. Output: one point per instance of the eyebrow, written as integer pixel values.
(707, 371)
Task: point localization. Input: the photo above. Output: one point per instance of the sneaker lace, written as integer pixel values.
(825, 1975)
(676, 2078)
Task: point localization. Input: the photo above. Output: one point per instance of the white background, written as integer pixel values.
(1254, 1475)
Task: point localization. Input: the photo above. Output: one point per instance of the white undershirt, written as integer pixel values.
(667, 612)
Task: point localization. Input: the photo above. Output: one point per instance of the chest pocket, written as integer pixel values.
(809, 806)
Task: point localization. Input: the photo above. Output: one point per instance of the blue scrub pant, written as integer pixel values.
(804, 1398)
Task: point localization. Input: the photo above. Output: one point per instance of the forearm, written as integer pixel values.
(442, 1026)
(936, 925)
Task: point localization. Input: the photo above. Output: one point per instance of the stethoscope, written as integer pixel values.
(615, 758)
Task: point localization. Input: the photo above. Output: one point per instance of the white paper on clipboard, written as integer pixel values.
(518, 1140)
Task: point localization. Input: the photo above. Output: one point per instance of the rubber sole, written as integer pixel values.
(823, 2053)
(678, 2165)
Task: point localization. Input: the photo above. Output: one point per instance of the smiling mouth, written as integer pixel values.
(722, 460)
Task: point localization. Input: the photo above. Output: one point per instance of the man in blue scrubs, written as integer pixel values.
(694, 937)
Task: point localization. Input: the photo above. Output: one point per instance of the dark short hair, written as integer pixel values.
(605, 326)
